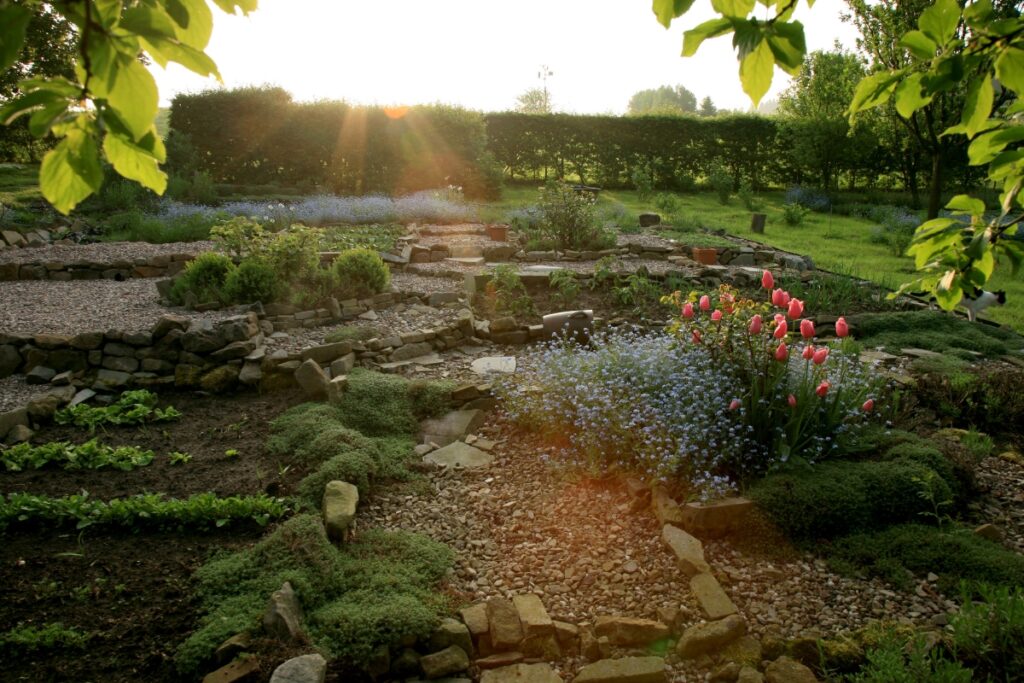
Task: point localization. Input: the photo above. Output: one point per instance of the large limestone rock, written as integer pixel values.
(712, 598)
(521, 673)
(283, 617)
(452, 427)
(624, 670)
(448, 661)
(704, 638)
(506, 631)
(689, 551)
(532, 616)
(459, 454)
(749, 674)
(716, 519)
(666, 509)
(475, 618)
(312, 379)
(451, 632)
(236, 672)
(788, 670)
(627, 631)
(339, 509)
(304, 669)
(494, 365)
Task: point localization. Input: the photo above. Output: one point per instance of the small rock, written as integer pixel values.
(305, 669)
(532, 616)
(232, 647)
(990, 532)
(749, 674)
(451, 632)
(237, 671)
(628, 631)
(40, 375)
(496, 661)
(788, 670)
(475, 618)
(312, 379)
(339, 509)
(624, 670)
(713, 600)
(459, 454)
(521, 673)
(506, 631)
(449, 661)
(704, 638)
(283, 617)
(500, 365)
(689, 551)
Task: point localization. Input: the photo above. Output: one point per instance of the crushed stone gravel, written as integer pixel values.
(101, 252)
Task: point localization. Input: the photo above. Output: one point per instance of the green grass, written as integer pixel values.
(934, 331)
(19, 184)
(836, 243)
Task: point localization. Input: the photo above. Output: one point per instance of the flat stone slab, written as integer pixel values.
(630, 631)
(452, 427)
(521, 673)
(501, 365)
(712, 598)
(532, 615)
(624, 670)
(459, 454)
(689, 551)
(920, 353)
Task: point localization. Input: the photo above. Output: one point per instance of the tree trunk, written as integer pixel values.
(935, 186)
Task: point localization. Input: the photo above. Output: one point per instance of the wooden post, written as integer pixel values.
(757, 223)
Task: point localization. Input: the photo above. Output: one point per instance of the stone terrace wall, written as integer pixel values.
(163, 265)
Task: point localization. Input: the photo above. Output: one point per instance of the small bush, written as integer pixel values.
(794, 214)
(388, 405)
(988, 633)
(668, 204)
(252, 281)
(749, 197)
(837, 498)
(899, 660)
(568, 219)
(204, 277)
(721, 182)
(642, 178)
(360, 273)
(954, 555)
(565, 286)
(506, 292)
(957, 476)
(21, 640)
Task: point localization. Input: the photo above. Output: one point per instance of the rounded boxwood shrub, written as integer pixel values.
(205, 277)
(360, 273)
(838, 498)
(956, 475)
(252, 281)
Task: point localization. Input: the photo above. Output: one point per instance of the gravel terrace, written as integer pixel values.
(38, 306)
(577, 544)
(101, 252)
(422, 284)
(1004, 506)
(622, 264)
(14, 393)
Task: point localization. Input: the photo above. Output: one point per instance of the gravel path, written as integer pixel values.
(1004, 506)
(622, 264)
(422, 284)
(101, 252)
(14, 393)
(37, 306)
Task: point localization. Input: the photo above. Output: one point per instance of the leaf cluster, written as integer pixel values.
(131, 408)
(91, 455)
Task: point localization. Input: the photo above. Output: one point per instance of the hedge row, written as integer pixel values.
(259, 135)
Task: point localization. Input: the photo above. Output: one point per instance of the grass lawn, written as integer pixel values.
(836, 243)
(19, 184)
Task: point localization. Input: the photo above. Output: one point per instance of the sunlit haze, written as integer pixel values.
(478, 54)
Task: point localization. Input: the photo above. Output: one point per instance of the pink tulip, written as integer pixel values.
(806, 329)
(791, 400)
(796, 309)
(735, 404)
(687, 310)
(808, 353)
(842, 329)
(822, 389)
(778, 298)
(755, 325)
(705, 302)
(778, 317)
(869, 405)
(716, 315)
(781, 330)
(696, 336)
(820, 356)
(782, 353)
(767, 281)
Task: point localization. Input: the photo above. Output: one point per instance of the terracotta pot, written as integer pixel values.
(498, 233)
(705, 256)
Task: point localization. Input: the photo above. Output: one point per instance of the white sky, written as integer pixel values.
(479, 54)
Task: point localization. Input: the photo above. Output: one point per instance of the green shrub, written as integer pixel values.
(389, 405)
(642, 178)
(25, 639)
(568, 221)
(749, 197)
(667, 203)
(721, 182)
(292, 429)
(360, 273)
(506, 292)
(899, 660)
(875, 439)
(954, 555)
(357, 467)
(327, 442)
(794, 214)
(988, 633)
(836, 498)
(204, 277)
(371, 582)
(252, 281)
(958, 478)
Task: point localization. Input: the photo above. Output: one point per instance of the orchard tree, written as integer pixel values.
(106, 108)
(663, 100)
(534, 101)
(979, 48)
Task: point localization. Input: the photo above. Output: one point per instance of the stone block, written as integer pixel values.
(689, 551)
(624, 670)
(339, 509)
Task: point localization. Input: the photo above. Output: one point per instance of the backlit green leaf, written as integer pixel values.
(733, 8)
(788, 45)
(196, 33)
(1010, 70)
(910, 96)
(134, 96)
(667, 10)
(134, 163)
(13, 22)
(71, 171)
(756, 72)
(920, 45)
(698, 34)
(873, 91)
(229, 6)
(963, 203)
(939, 21)
(977, 106)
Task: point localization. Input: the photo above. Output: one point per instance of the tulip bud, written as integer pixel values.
(735, 404)
(755, 325)
(791, 400)
(806, 329)
(705, 302)
(781, 330)
(796, 309)
(842, 329)
(823, 389)
(767, 281)
(696, 336)
(821, 355)
(716, 315)
(687, 310)
(808, 353)
(782, 353)
(778, 298)
(869, 405)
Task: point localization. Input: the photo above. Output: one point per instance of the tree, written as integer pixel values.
(707, 107)
(663, 100)
(815, 108)
(534, 101)
(978, 48)
(106, 108)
